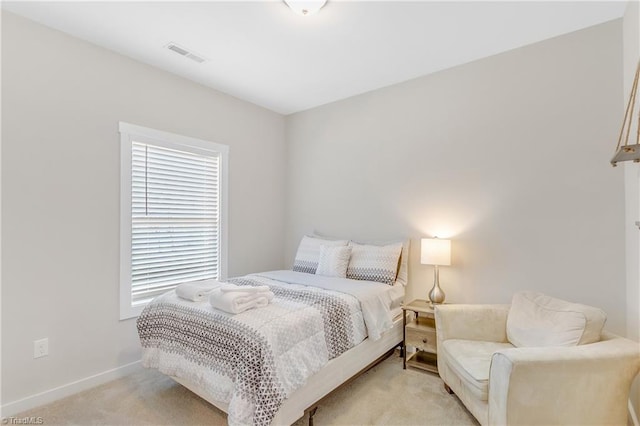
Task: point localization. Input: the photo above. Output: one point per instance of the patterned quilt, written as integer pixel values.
(254, 360)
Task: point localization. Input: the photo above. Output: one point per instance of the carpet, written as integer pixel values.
(385, 395)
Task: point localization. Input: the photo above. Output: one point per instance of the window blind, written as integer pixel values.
(175, 218)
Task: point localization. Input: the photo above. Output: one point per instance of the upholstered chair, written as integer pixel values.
(538, 361)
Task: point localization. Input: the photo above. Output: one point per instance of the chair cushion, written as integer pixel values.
(538, 320)
(470, 360)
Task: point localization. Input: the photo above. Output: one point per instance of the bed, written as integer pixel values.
(274, 364)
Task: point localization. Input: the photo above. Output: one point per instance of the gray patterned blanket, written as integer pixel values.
(254, 360)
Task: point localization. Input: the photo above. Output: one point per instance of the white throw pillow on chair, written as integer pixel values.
(538, 320)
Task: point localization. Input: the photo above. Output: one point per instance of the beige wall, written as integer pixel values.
(631, 54)
(508, 156)
(62, 100)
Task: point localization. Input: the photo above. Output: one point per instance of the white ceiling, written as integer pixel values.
(264, 53)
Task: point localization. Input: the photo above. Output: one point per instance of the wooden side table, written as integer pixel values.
(420, 332)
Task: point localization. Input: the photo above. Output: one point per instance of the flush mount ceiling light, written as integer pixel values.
(305, 7)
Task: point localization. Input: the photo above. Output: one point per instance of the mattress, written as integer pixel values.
(254, 361)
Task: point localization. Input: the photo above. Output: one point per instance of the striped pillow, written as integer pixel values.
(374, 263)
(308, 253)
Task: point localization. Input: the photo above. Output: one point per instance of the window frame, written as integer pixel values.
(128, 134)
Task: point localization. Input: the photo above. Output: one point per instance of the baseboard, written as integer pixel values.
(60, 392)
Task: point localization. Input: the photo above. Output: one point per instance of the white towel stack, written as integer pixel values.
(235, 299)
(197, 291)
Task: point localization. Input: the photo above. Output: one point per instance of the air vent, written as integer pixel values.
(185, 52)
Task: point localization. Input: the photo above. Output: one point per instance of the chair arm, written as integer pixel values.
(586, 384)
(471, 322)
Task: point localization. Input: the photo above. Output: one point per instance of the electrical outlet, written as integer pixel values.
(40, 348)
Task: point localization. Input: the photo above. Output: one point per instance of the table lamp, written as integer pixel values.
(437, 252)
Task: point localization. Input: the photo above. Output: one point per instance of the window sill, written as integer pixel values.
(132, 311)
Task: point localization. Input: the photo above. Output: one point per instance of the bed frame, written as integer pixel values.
(338, 372)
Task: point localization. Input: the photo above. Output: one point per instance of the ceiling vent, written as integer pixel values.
(185, 52)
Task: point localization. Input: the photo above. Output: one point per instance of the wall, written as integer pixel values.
(631, 55)
(62, 100)
(508, 156)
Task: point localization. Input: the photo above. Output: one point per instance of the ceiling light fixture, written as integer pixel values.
(305, 7)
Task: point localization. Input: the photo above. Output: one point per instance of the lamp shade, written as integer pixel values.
(305, 7)
(434, 251)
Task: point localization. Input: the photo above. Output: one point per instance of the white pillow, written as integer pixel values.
(374, 263)
(538, 320)
(308, 253)
(333, 261)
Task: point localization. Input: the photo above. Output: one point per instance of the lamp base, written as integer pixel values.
(436, 295)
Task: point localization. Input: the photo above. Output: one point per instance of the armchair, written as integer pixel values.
(552, 385)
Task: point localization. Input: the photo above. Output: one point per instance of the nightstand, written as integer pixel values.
(420, 332)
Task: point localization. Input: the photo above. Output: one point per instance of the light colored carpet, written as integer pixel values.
(385, 395)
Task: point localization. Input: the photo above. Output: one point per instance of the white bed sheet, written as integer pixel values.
(379, 302)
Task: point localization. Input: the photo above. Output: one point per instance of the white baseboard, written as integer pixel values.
(15, 407)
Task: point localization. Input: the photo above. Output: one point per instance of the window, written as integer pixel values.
(172, 213)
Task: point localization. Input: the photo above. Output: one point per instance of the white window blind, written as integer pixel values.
(174, 218)
(172, 213)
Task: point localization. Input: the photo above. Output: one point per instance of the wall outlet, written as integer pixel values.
(40, 348)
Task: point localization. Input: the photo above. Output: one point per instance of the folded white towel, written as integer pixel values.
(197, 291)
(268, 294)
(237, 302)
(227, 287)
